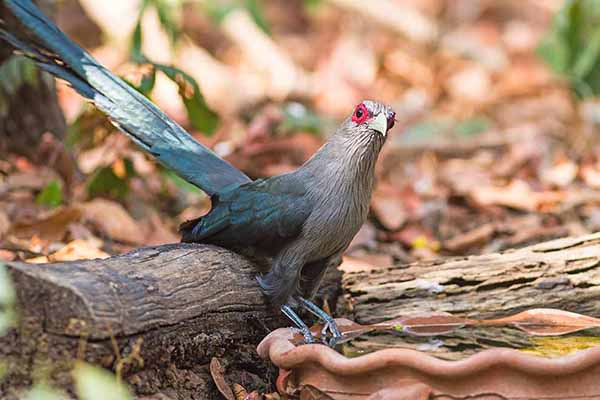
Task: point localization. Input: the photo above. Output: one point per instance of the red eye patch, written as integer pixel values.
(360, 114)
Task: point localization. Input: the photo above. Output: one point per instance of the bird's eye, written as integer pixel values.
(360, 114)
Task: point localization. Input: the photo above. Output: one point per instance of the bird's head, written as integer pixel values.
(369, 123)
(357, 142)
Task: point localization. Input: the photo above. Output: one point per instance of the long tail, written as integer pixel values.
(131, 112)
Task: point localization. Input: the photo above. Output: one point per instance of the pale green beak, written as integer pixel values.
(379, 123)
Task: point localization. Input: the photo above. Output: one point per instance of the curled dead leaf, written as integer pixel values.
(547, 322)
(217, 373)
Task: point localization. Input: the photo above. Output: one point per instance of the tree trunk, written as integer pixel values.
(562, 274)
(31, 110)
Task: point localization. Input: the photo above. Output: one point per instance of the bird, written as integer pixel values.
(301, 222)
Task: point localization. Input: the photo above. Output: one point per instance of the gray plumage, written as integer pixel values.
(301, 221)
(310, 215)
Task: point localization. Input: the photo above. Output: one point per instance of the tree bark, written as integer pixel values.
(157, 316)
(562, 274)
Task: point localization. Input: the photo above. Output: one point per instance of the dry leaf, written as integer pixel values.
(4, 224)
(475, 237)
(354, 264)
(112, 220)
(309, 392)
(351, 66)
(388, 208)
(79, 250)
(51, 226)
(518, 194)
(37, 260)
(561, 174)
(470, 84)
(35, 179)
(158, 232)
(6, 255)
(547, 322)
(240, 393)
(591, 175)
(216, 371)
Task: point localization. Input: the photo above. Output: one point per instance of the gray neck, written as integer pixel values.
(345, 165)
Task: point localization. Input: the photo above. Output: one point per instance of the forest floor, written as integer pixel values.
(491, 149)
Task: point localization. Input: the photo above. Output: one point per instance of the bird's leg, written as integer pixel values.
(328, 319)
(291, 314)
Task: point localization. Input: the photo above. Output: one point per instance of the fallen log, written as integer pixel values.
(156, 315)
(562, 274)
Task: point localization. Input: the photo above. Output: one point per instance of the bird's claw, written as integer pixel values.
(307, 335)
(330, 334)
(330, 325)
(330, 340)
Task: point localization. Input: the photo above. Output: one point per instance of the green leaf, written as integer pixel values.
(255, 9)
(589, 56)
(147, 83)
(180, 182)
(167, 18)
(473, 126)
(426, 130)
(51, 195)
(201, 117)
(135, 49)
(572, 45)
(17, 71)
(297, 117)
(219, 9)
(95, 383)
(104, 181)
(29, 72)
(44, 392)
(312, 4)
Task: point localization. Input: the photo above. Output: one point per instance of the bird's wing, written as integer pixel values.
(133, 113)
(262, 214)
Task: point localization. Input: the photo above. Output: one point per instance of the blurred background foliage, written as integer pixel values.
(572, 45)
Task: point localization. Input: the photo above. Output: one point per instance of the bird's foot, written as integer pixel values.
(300, 325)
(334, 335)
